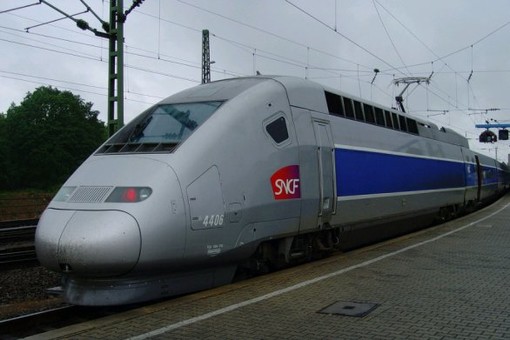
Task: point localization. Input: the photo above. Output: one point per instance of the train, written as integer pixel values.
(246, 175)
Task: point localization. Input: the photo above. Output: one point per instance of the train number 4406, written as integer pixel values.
(213, 220)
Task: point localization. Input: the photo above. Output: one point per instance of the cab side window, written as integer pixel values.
(277, 130)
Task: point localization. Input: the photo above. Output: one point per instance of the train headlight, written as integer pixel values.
(129, 194)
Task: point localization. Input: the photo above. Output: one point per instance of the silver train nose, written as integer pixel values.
(92, 243)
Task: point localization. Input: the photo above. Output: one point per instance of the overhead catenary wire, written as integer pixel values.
(246, 47)
(423, 44)
(389, 37)
(103, 94)
(269, 33)
(407, 29)
(499, 28)
(52, 79)
(266, 57)
(237, 20)
(257, 52)
(442, 58)
(277, 59)
(445, 56)
(358, 45)
(60, 28)
(72, 52)
(20, 7)
(345, 37)
(83, 56)
(162, 57)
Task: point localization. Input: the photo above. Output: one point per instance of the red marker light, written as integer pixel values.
(129, 195)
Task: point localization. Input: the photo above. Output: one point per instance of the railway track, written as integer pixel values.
(16, 256)
(18, 223)
(37, 322)
(17, 242)
(55, 318)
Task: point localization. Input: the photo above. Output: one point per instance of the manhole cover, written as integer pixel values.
(349, 308)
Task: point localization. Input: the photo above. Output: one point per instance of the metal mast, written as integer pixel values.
(116, 67)
(206, 58)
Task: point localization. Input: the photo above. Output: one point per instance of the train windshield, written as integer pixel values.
(161, 128)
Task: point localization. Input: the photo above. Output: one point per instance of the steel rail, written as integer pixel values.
(17, 242)
(16, 256)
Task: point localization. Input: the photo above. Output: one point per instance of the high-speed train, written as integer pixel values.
(249, 173)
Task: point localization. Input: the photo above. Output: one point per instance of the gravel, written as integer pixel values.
(23, 290)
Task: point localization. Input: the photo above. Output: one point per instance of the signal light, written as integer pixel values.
(488, 137)
(129, 194)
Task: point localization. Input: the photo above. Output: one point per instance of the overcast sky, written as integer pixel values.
(338, 43)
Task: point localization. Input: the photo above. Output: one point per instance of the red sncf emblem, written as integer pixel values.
(286, 183)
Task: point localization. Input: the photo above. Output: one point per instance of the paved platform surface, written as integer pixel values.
(447, 282)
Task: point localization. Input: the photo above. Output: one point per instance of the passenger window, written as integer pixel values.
(389, 124)
(358, 111)
(379, 116)
(396, 125)
(334, 103)
(403, 125)
(349, 110)
(369, 113)
(277, 129)
(412, 126)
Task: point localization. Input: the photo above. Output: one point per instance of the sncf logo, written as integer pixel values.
(285, 183)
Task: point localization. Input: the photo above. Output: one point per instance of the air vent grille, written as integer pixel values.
(90, 194)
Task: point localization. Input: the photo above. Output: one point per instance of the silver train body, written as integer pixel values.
(258, 171)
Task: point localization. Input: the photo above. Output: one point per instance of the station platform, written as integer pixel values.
(448, 281)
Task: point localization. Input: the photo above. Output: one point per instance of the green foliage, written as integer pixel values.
(4, 161)
(46, 137)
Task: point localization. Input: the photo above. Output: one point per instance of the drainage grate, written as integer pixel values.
(349, 308)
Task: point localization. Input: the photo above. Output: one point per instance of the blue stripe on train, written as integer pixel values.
(365, 172)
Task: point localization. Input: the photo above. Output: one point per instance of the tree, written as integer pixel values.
(47, 136)
(4, 161)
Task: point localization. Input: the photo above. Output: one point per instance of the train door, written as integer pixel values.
(326, 167)
(479, 177)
